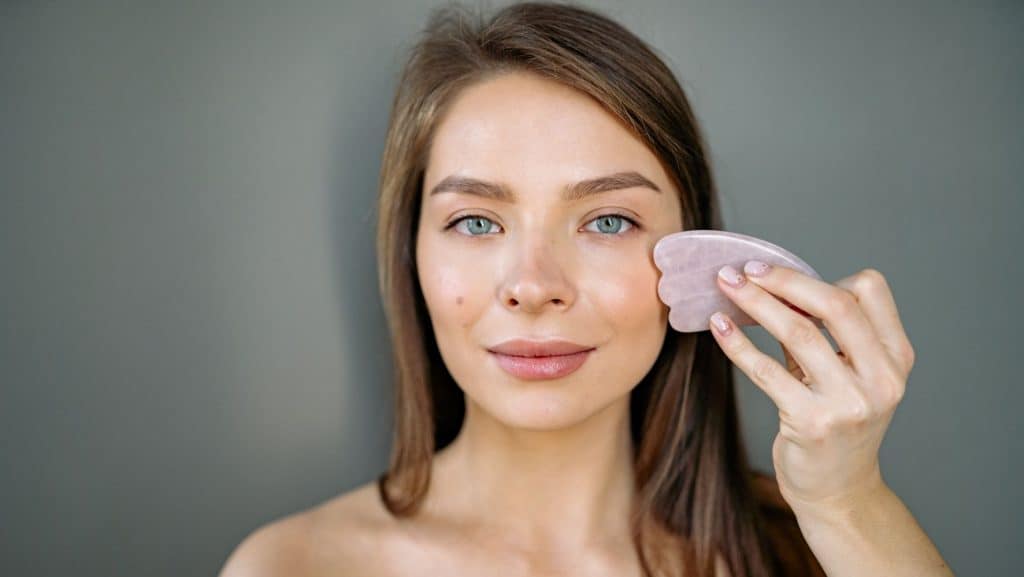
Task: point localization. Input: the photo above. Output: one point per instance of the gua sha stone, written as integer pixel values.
(689, 263)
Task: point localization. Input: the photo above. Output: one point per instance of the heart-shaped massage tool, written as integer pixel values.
(689, 263)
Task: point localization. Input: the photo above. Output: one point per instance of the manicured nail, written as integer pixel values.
(721, 323)
(755, 268)
(731, 276)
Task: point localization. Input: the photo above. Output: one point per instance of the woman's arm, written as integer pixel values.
(872, 534)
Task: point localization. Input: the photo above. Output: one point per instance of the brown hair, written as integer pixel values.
(691, 465)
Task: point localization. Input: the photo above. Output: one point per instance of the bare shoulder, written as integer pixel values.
(665, 552)
(345, 535)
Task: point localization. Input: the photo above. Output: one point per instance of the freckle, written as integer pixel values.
(458, 300)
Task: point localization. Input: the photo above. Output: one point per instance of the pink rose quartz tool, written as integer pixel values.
(689, 263)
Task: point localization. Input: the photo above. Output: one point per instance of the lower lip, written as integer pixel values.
(538, 368)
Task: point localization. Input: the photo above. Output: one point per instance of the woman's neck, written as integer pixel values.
(565, 489)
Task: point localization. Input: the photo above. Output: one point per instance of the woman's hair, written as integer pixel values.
(691, 465)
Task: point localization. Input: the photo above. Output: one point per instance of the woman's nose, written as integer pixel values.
(537, 278)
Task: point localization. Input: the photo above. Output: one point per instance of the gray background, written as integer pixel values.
(192, 343)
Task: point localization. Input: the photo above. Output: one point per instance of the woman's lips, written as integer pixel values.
(537, 368)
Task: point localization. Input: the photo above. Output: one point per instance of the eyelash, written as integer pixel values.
(631, 221)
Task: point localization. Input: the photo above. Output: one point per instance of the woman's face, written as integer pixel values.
(539, 266)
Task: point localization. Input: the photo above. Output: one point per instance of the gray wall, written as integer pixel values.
(191, 341)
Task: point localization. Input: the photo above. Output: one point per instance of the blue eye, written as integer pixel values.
(606, 224)
(609, 220)
(476, 222)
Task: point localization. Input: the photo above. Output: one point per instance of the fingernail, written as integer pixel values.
(755, 268)
(731, 276)
(721, 323)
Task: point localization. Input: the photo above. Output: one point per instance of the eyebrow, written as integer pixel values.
(572, 192)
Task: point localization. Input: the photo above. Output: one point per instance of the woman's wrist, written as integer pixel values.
(872, 493)
(868, 533)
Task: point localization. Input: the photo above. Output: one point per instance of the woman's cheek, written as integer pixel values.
(625, 281)
(455, 288)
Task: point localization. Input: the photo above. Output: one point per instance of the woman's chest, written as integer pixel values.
(402, 556)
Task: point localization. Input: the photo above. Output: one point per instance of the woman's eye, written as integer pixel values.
(476, 224)
(612, 223)
(607, 224)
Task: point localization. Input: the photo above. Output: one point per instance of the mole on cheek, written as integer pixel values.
(458, 300)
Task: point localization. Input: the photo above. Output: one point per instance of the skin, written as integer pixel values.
(539, 479)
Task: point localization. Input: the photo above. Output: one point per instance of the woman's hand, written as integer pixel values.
(834, 407)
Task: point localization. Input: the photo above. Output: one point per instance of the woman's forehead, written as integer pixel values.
(530, 133)
(521, 119)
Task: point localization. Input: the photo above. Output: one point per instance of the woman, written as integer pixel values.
(531, 164)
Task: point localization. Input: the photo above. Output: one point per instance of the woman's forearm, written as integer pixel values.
(873, 535)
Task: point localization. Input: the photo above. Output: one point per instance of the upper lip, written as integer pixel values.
(546, 348)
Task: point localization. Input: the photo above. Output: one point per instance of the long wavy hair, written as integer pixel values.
(691, 464)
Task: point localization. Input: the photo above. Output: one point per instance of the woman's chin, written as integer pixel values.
(543, 410)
